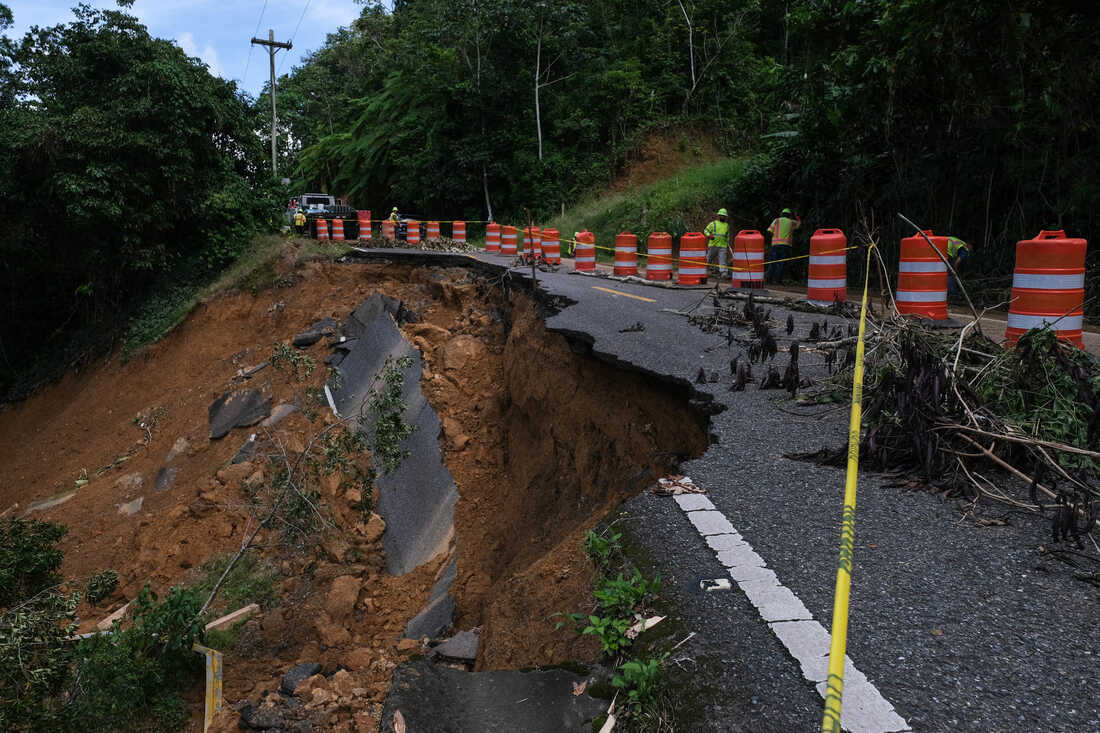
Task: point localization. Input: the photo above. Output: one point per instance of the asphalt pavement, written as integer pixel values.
(959, 626)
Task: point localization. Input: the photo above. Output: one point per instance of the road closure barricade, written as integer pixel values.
(508, 241)
(1048, 287)
(584, 257)
(458, 231)
(492, 237)
(748, 259)
(658, 263)
(828, 279)
(922, 277)
(551, 246)
(693, 259)
(626, 254)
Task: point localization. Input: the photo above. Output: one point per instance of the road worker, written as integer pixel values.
(958, 252)
(718, 244)
(394, 216)
(299, 221)
(782, 231)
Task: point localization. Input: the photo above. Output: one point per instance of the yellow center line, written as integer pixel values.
(625, 295)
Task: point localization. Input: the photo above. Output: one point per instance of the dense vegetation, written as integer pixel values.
(977, 119)
(127, 168)
(125, 679)
(124, 166)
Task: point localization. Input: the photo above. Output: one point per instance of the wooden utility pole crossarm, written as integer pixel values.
(273, 47)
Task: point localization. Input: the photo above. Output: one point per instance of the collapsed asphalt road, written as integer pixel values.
(958, 626)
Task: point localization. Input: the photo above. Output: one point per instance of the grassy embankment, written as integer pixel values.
(683, 202)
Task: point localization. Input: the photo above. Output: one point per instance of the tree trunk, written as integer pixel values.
(538, 112)
(485, 187)
(691, 44)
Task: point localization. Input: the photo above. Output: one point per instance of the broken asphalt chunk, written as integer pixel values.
(237, 409)
(296, 675)
(313, 334)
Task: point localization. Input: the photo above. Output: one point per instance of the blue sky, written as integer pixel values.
(216, 31)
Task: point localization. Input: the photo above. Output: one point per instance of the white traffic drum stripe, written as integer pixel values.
(1032, 281)
(905, 266)
(1026, 322)
(922, 296)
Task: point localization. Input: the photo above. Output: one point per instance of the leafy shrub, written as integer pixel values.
(127, 673)
(610, 631)
(621, 595)
(639, 679)
(36, 661)
(600, 548)
(387, 404)
(300, 365)
(101, 586)
(29, 558)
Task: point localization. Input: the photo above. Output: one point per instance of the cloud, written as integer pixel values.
(208, 55)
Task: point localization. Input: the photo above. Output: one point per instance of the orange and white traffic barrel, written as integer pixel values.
(337, 230)
(412, 234)
(922, 277)
(1048, 287)
(551, 246)
(492, 237)
(458, 231)
(433, 230)
(584, 255)
(658, 264)
(364, 223)
(507, 240)
(387, 229)
(532, 242)
(626, 254)
(693, 259)
(747, 259)
(828, 279)
(322, 229)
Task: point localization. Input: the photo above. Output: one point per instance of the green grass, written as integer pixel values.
(685, 202)
(252, 580)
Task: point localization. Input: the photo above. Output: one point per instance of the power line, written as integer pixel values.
(249, 61)
(295, 33)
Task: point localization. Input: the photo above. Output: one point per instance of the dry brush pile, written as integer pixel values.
(972, 419)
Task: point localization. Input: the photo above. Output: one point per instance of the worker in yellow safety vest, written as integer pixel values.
(299, 221)
(957, 252)
(394, 216)
(718, 244)
(782, 231)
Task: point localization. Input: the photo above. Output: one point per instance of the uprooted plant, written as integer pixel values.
(954, 407)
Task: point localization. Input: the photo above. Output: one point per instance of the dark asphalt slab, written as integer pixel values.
(960, 626)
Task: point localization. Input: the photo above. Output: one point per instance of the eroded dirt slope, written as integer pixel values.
(541, 441)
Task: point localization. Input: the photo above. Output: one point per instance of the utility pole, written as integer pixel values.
(272, 48)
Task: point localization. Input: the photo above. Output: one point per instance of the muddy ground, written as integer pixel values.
(542, 442)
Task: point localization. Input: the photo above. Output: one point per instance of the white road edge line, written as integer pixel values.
(865, 710)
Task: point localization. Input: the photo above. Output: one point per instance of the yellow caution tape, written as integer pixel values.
(834, 687)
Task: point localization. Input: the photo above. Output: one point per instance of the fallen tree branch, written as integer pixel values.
(1022, 440)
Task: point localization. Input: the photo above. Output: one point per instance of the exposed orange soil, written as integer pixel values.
(537, 453)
